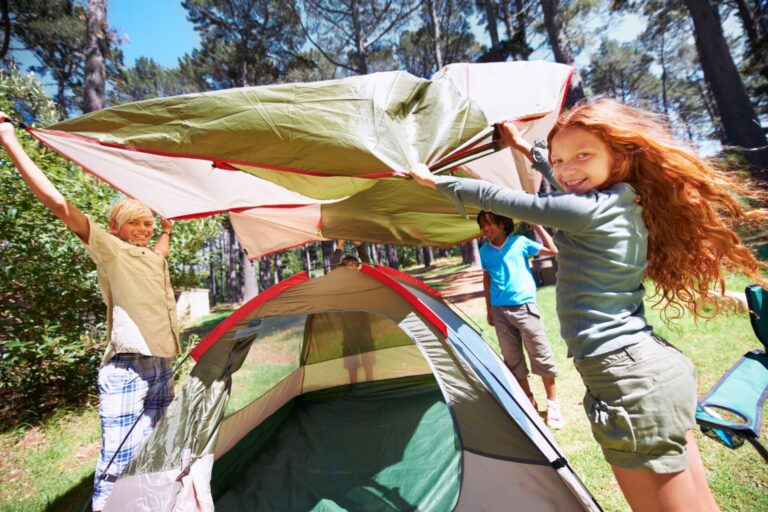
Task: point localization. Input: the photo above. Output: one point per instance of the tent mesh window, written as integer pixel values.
(274, 354)
(367, 429)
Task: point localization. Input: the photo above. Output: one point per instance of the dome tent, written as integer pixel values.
(381, 398)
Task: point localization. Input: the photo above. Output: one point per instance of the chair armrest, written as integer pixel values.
(743, 391)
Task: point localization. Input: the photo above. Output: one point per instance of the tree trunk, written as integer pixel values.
(506, 18)
(664, 76)
(514, 23)
(490, 18)
(233, 252)
(250, 286)
(212, 271)
(474, 253)
(96, 48)
(392, 260)
(465, 257)
(278, 267)
(362, 58)
(327, 246)
(748, 22)
(520, 28)
(435, 32)
(265, 273)
(375, 254)
(6, 21)
(470, 253)
(561, 47)
(61, 99)
(307, 262)
(224, 263)
(427, 252)
(740, 124)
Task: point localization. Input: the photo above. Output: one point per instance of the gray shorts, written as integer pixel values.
(641, 402)
(518, 326)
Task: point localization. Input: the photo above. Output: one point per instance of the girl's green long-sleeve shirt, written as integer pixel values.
(602, 240)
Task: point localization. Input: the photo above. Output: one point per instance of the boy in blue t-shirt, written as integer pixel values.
(510, 296)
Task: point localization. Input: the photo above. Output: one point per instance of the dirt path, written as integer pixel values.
(463, 285)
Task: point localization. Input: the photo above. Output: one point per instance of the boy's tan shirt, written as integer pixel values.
(136, 287)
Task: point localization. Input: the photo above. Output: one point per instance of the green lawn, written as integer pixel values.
(50, 466)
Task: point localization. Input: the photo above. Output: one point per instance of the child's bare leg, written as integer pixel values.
(527, 389)
(668, 492)
(696, 467)
(549, 387)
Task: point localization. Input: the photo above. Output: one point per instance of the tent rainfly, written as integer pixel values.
(295, 163)
(358, 390)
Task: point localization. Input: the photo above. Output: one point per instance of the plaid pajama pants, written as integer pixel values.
(133, 388)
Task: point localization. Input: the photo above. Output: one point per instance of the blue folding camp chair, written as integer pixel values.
(742, 391)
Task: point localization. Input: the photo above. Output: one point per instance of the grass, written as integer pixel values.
(50, 466)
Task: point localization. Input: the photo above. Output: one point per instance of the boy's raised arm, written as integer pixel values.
(549, 248)
(487, 295)
(40, 184)
(163, 245)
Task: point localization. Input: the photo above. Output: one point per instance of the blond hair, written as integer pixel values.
(690, 205)
(126, 210)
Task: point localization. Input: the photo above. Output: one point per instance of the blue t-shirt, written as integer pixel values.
(511, 279)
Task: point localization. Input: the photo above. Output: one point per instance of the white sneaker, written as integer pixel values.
(555, 419)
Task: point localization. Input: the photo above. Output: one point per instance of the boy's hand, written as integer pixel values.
(165, 225)
(7, 131)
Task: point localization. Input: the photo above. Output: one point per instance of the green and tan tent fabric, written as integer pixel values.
(358, 390)
(295, 163)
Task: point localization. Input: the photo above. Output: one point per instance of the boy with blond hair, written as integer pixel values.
(135, 377)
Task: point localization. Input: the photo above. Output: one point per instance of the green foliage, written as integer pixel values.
(242, 43)
(309, 66)
(54, 31)
(415, 49)
(186, 258)
(23, 94)
(51, 305)
(622, 71)
(357, 36)
(148, 79)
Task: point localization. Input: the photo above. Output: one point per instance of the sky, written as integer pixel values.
(152, 28)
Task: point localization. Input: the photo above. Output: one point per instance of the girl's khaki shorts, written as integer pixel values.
(641, 401)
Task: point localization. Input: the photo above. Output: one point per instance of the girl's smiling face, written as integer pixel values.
(580, 160)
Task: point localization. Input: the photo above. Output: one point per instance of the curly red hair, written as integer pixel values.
(690, 205)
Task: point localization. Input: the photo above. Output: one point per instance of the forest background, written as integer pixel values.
(711, 83)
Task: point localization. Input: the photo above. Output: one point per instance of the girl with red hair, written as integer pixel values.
(632, 206)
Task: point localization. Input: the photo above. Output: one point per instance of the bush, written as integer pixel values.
(38, 375)
(50, 304)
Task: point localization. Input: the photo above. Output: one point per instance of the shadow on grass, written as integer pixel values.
(37, 415)
(75, 497)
